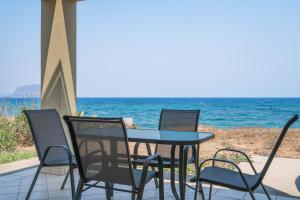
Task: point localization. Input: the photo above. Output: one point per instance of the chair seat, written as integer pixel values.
(228, 178)
(61, 162)
(137, 174)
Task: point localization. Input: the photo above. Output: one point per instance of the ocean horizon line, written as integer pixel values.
(162, 97)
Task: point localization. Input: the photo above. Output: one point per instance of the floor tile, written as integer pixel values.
(37, 188)
(288, 198)
(9, 190)
(8, 178)
(34, 196)
(28, 181)
(259, 196)
(230, 193)
(14, 183)
(9, 196)
(59, 194)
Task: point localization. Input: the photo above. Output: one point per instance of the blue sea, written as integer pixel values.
(215, 112)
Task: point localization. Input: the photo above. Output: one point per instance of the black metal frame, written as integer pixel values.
(42, 164)
(248, 188)
(183, 156)
(137, 191)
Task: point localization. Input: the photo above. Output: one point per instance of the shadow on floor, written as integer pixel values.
(18, 170)
(273, 191)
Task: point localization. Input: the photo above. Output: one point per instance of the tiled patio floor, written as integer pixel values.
(16, 185)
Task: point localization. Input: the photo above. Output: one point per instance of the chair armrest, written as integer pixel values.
(220, 160)
(153, 157)
(240, 152)
(64, 147)
(146, 166)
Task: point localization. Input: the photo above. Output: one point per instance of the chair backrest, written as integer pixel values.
(46, 129)
(179, 120)
(101, 149)
(176, 120)
(278, 142)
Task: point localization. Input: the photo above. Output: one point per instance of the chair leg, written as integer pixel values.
(133, 194)
(161, 187)
(65, 180)
(33, 181)
(140, 194)
(266, 192)
(141, 190)
(107, 191)
(155, 179)
(72, 181)
(210, 189)
(197, 185)
(111, 190)
(153, 168)
(251, 194)
(79, 190)
(202, 191)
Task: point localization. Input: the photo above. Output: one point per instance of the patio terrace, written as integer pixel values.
(14, 185)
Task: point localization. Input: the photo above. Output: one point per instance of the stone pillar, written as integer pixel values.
(58, 56)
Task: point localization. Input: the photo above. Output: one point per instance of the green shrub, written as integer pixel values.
(21, 129)
(7, 137)
(16, 155)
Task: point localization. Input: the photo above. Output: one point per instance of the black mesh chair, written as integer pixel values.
(238, 180)
(50, 143)
(102, 153)
(172, 120)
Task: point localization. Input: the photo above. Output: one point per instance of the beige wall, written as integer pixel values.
(58, 55)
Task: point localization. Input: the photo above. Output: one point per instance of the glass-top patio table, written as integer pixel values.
(173, 138)
(181, 139)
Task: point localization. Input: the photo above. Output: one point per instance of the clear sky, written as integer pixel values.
(185, 48)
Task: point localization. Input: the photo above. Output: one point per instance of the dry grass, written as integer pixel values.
(254, 141)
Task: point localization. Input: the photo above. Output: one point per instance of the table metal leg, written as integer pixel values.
(193, 179)
(173, 186)
(181, 172)
(182, 165)
(197, 166)
(197, 157)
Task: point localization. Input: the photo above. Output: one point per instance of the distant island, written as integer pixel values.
(27, 91)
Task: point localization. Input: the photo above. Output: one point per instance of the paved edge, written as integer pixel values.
(17, 166)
